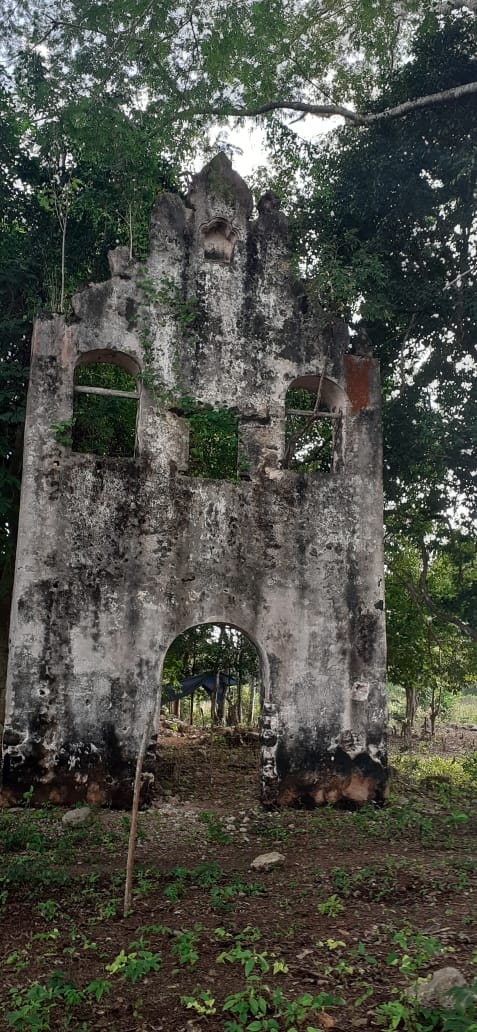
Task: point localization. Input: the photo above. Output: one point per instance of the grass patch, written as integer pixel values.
(457, 772)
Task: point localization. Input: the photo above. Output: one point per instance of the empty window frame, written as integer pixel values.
(313, 426)
(105, 406)
(213, 443)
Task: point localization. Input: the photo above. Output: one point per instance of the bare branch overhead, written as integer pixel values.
(337, 110)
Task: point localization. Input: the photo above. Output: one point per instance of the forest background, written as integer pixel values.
(104, 104)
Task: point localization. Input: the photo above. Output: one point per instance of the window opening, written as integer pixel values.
(313, 432)
(105, 410)
(211, 677)
(213, 442)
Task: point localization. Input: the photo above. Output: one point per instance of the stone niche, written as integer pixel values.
(120, 553)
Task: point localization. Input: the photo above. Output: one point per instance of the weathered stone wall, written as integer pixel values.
(116, 557)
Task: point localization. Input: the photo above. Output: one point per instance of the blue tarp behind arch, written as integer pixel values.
(205, 680)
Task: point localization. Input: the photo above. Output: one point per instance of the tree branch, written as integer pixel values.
(444, 97)
(324, 110)
(458, 5)
(353, 117)
(402, 366)
(441, 614)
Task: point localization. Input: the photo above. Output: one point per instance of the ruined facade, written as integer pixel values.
(117, 556)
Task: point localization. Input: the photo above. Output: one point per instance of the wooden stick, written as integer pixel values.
(110, 393)
(134, 813)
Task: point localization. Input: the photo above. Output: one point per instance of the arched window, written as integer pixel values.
(105, 404)
(314, 409)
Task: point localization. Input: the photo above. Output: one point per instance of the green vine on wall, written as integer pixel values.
(63, 431)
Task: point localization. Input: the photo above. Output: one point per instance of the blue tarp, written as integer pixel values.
(205, 680)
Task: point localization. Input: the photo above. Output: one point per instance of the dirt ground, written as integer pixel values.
(359, 906)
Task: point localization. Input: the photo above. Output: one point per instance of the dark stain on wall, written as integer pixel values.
(309, 776)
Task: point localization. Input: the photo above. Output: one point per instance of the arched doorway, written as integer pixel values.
(211, 677)
(208, 742)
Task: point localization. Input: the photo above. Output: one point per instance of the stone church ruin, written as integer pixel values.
(119, 553)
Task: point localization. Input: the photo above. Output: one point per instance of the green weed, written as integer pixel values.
(260, 1008)
(49, 909)
(135, 964)
(216, 830)
(223, 897)
(460, 772)
(331, 906)
(201, 1001)
(406, 1014)
(417, 950)
(22, 836)
(184, 946)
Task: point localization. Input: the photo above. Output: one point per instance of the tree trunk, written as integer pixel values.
(239, 689)
(221, 708)
(435, 707)
(130, 231)
(4, 629)
(239, 700)
(63, 263)
(411, 706)
(213, 701)
(251, 703)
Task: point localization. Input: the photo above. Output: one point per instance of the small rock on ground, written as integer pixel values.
(78, 816)
(266, 861)
(436, 991)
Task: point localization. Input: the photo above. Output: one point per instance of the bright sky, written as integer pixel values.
(250, 140)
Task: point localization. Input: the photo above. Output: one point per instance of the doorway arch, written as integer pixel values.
(214, 689)
(222, 667)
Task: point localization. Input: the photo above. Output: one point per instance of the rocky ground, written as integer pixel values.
(331, 934)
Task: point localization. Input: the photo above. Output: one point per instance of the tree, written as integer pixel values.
(19, 254)
(104, 425)
(213, 61)
(68, 195)
(427, 654)
(213, 443)
(388, 231)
